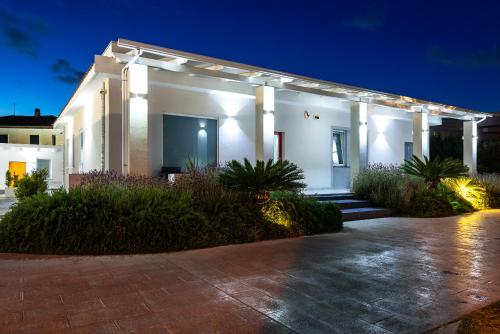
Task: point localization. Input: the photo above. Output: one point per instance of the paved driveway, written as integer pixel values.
(5, 204)
(379, 276)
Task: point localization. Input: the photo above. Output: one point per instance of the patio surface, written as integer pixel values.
(378, 276)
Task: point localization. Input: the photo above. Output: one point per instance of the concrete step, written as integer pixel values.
(333, 197)
(365, 213)
(352, 203)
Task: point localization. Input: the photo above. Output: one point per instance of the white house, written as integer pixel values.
(142, 108)
(28, 143)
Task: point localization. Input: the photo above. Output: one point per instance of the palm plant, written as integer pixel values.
(432, 171)
(263, 178)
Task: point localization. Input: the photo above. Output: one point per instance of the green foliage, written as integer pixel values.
(119, 215)
(467, 190)
(263, 178)
(99, 220)
(427, 202)
(432, 171)
(388, 186)
(301, 215)
(491, 183)
(8, 178)
(459, 204)
(11, 179)
(32, 184)
(381, 184)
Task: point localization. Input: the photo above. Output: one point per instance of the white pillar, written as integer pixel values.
(421, 134)
(359, 138)
(264, 123)
(470, 145)
(136, 146)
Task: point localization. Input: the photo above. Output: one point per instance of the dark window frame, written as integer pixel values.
(32, 141)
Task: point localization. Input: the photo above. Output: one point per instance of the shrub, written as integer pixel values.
(263, 178)
(427, 202)
(464, 188)
(110, 214)
(301, 215)
(32, 184)
(491, 183)
(381, 184)
(110, 219)
(387, 186)
(432, 171)
(11, 179)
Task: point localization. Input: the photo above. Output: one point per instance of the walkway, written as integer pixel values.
(378, 276)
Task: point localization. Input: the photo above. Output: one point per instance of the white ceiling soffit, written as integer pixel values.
(166, 59)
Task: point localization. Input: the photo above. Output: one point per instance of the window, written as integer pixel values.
(278, 146)
(34, 139)
(339, 148)
(43, 164)
(188, 139)
(81, 140)
(53, 139)
(4, 139)
(408, 150)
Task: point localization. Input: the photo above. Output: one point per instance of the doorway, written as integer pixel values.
(17, 168)
(278, 146)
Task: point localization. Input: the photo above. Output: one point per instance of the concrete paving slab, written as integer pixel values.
(388, 275)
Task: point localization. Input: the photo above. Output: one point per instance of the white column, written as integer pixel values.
(470, 145)
(264, 123)
(136, 127)
(421, 134)
(359, 138)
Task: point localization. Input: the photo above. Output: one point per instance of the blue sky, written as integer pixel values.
(437, 50)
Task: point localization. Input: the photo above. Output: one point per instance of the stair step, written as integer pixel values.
(352, 203)
(365, 213)
(333, 197)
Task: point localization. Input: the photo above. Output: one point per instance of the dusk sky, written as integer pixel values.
(435, 50)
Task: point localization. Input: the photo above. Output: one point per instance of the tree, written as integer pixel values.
(263, 178)
(432, 171)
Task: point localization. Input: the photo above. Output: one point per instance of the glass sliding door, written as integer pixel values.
(189, 138)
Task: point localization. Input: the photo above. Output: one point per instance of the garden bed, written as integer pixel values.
(109, 214)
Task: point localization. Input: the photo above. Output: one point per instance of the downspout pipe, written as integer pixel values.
(103, 126)
(125, 113)
(482, 119)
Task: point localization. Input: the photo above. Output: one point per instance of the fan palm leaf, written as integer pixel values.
(263, 178)
(432, 171)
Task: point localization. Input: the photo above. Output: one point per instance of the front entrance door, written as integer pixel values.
(17, 168)
(339, 159)
(278, 146)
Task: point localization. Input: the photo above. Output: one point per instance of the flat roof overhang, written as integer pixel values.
(124, 50)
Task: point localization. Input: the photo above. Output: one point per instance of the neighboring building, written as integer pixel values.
(28, 143)
(178, 106)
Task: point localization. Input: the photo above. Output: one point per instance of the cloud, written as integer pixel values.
(20, 34)
(483, 58)
(65, 72)
(368, 22)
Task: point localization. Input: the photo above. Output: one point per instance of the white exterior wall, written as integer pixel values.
(234, 111)
(307, 142)
(86, 118)
(388, 130)
(29, 154)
